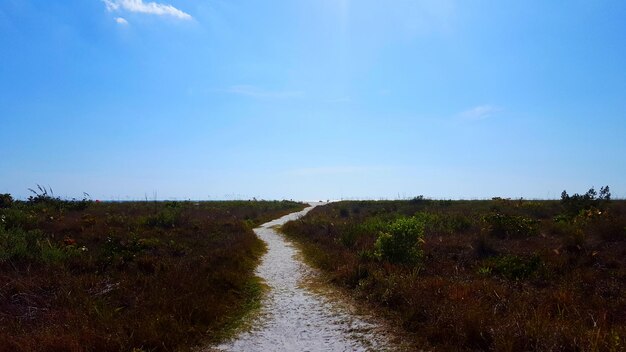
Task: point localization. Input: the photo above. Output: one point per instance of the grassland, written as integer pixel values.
(152, 276)
(500, 275)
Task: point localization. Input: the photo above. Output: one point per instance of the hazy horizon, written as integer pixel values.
(312, 99)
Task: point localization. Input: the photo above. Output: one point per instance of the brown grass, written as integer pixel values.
(123, 276)
(558, 284)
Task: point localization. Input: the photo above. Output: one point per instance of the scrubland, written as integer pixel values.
(82, 275)
(500, 274)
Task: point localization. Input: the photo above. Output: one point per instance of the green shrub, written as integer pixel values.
(589, 223)
(419, 200)
(505, 226)
(166, 218)
(372, 225)
(173, 205)
(511, 267)
(348, 236)
(5, 200)
(606, 226)
(120, 251)
(50, 253)
(576, 203)
(17, 244)
(17, 217)
(20, 245)
(401, 241)
(45, 197)
(444, 223)
(535, 209)
(570, 231)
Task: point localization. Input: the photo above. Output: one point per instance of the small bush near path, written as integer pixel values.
(401, 241)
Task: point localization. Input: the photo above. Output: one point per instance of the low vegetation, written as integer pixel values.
(83, 275)
(500, 275)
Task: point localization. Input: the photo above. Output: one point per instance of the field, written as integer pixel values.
(501, 274)
(155, 276)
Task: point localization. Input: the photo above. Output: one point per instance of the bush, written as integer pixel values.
(45, 196)
(348, 236)
(606, 226)
(401, 241)
(511, 267)
(121, 251)
(576, 203)
(505, 226)
(17, 217)
(19, 245)
(444, 223)
(5, 200)
(166, 218)
(535, 209)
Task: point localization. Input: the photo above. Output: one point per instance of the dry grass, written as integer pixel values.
(526, 279)
(123, 276)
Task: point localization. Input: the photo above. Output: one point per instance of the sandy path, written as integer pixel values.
(292, 317)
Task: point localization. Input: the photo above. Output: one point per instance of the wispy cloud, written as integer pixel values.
(256, 92)
(151, 8)
(121, 20)
(479, 112)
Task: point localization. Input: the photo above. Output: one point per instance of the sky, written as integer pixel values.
(312, 99)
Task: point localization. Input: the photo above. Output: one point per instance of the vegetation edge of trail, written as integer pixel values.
(240, 319)
(500, 274)
(153, 276)
(323, 283)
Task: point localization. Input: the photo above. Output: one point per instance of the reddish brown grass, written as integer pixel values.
(557, 291)
(151, 276)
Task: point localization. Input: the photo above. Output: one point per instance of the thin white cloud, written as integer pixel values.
(480, 112)
(111, 5)
(121, 20)
(255, 92)
(151, 8)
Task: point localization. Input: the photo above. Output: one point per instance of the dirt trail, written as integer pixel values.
(293, 317)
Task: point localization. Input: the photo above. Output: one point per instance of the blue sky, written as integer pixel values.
(312, 99)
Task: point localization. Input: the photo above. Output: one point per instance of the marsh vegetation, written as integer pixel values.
(81, 275)
(500, 274)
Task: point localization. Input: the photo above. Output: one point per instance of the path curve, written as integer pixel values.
(292, 317)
